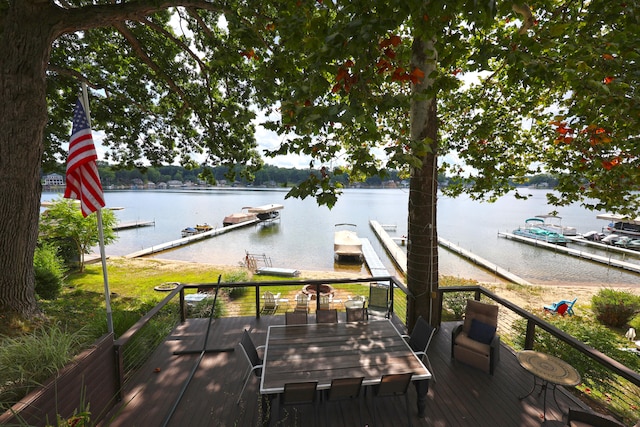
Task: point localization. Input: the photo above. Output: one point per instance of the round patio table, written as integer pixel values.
(548, 370)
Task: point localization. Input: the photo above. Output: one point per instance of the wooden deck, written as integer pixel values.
(461, 395)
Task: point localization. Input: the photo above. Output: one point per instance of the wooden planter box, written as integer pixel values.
(88, 381)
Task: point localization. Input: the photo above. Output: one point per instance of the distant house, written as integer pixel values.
(174, 183)
(53, 180)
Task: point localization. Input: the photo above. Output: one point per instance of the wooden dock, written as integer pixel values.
(629, 266)
(604, 246)
(189, 239)
(133, 224)
(400, 257)
(375, 265)
(488, 265)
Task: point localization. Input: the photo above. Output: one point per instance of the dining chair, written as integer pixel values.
(255, 362)
(295, 318)
(379, 303)
(327, 316)
(393, 385)
(419, 341)
(297, 394)
(356, 314)
(343, 389)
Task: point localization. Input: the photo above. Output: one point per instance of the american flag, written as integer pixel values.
(83, 181)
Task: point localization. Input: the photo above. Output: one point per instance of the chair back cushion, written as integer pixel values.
(485, 313)
(481, 332)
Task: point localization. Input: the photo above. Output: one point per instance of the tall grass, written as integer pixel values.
(29, 360)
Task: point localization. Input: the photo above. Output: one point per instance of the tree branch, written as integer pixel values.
(527, 17)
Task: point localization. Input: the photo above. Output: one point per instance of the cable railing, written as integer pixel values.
(607, 382)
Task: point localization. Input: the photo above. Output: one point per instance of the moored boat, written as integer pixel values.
(267, 212)
(192, 231)
(627, 242)
(239, 217)
(554, 223)
(346, 243)
(622, 225)
(533, 230)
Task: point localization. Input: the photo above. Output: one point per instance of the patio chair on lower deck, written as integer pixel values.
(561, 307)
(270, 304)
(302, 302)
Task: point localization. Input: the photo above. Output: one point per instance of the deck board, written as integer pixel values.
(461, 396)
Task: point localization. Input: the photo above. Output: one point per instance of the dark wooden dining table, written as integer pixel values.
(323, 352)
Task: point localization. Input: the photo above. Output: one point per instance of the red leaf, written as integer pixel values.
(608, 79)
(416, 75)
(390, 53)
(395, 40)
(342, 74)
(336, 88)
(608, 56)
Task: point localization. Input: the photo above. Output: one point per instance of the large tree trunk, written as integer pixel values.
(24, 53)
(422, 255)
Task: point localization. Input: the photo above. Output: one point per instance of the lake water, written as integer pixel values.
(303, 237)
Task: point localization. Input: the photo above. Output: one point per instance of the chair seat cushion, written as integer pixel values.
(481, 332)
(476, 346)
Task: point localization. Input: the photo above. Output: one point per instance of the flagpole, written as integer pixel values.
(107, 293)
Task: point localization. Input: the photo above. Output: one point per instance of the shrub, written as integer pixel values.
(615, 308)
(236, 276)
(456, 302)
(49, 271)
(202, 309)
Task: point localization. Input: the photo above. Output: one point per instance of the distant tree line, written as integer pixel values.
(268, 176)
